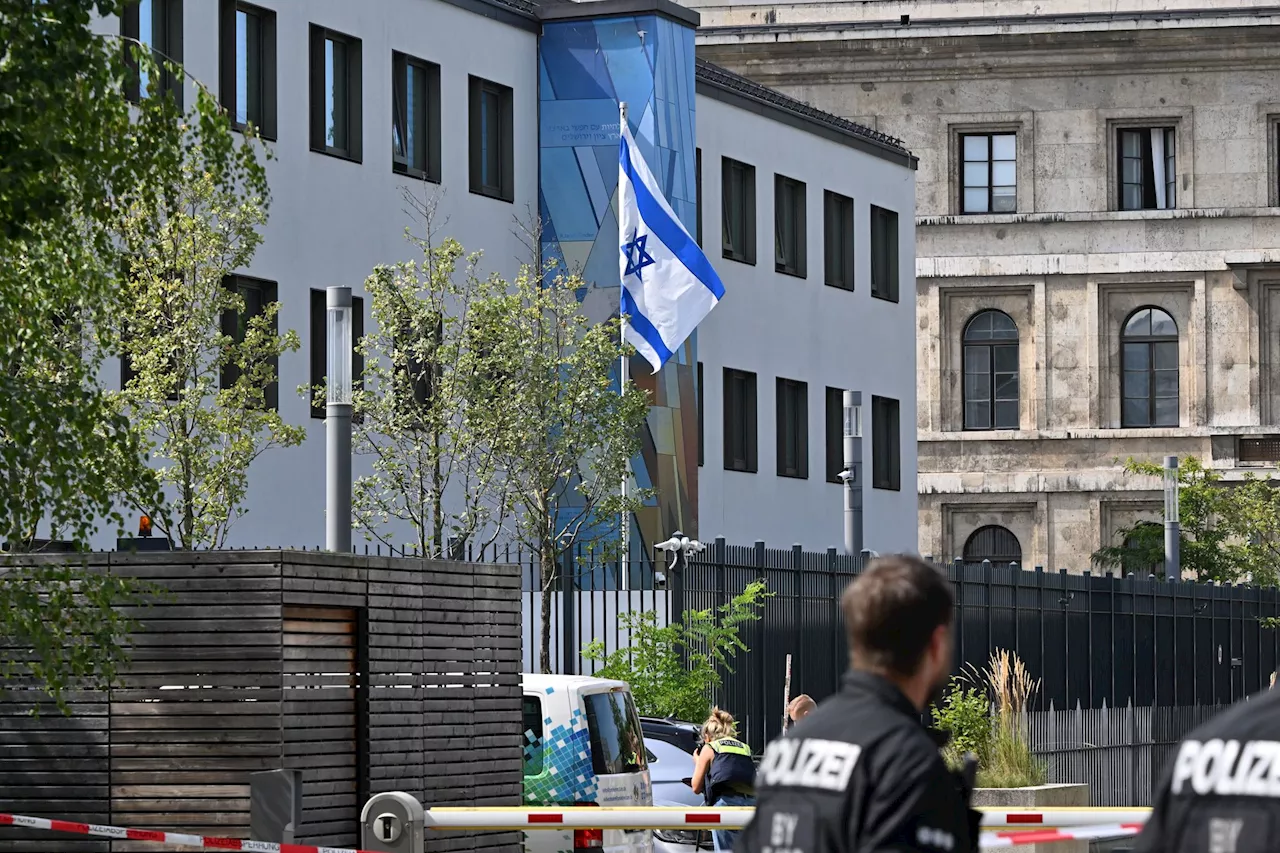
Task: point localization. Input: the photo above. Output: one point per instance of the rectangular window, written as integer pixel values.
(614, 733)
(247, 66)
(697, 180)
(492, 140)
(884, 254)
(415, 117)
(157, 26)
(793, 428)
(835, 434)
(739, 421)
(738, 210)
(336, 118)
(702, 439)
(838, 239)
(319, 342)
(531, 718)
(988, 180)
(789, 226)
(886, 445)
(257, 295)
(1147, 158)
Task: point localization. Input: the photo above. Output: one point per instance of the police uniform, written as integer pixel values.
(859, 774)
(1222, 794)
(731, 772)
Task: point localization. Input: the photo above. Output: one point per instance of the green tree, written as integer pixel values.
(546, 389)
(1230, 532)
(415, 414)
(76, 158)
(674, 669)
(201, 360)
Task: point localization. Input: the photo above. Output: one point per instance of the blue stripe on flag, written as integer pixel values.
(670, 232)
(641, 324)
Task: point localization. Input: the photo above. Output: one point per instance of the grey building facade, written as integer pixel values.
(1098, 242)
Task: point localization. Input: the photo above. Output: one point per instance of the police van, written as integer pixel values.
(583, 747)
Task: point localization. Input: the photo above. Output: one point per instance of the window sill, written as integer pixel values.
(897, 488)
(892, 299)
(793, 476)
(800, 274)
(416, 174)
(741, 259)
(1098, 216)
(741, 470)
(848, 288)
(262, 134)
(337, 154)
(496, 195)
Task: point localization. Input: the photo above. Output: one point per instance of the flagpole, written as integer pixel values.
(623, 379)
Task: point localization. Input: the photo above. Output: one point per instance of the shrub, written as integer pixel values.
(965, 714)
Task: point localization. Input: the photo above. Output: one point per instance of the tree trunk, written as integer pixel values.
(547, 559)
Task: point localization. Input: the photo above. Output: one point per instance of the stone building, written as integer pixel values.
(1098, 227)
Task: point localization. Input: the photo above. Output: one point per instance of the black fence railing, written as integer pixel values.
(1094, 640)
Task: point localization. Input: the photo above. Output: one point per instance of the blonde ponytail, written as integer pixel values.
(719, 724)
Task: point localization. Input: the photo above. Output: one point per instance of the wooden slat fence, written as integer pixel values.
(368, 674)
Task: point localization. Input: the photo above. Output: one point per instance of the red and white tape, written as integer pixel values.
(993, 840)
(598, 819)
(176, 839)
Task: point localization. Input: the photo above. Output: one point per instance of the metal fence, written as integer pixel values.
(1137, 660)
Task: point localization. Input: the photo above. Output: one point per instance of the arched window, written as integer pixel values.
(994, 543)
(991, 372)
(1149, 378)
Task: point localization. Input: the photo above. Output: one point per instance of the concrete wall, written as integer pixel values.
(1067, 267)
(778, 325)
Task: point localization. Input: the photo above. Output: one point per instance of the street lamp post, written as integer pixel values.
(852, 473)
(337, 421)
(1172, 531)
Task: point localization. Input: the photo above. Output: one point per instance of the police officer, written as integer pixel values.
(1222, 794)
(723, 771)
(861, 773)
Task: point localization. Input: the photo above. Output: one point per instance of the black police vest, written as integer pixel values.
(731, 771)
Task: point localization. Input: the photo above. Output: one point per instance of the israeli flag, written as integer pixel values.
(668, 285)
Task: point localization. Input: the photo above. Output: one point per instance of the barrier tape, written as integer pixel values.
(994, 840)
(596, 818)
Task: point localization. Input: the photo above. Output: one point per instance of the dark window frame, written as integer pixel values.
(993, 532)
(790, 228)
(990, 162)
(166, 44)
(697, 181)
(1146, 184)
(1152, 344)
(233, 327)
(429, 170)
(702, 436)
(969, 341)
(738, 217)
(477, 89)
(884, 254)
(740, 422)
(839, 239)
(792, 403)
(353, 151)
(834, 400)
(228, 90)
(886, 444)
(318, 361)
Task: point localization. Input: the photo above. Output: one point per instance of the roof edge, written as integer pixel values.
(572, 10)
(736, 90)
(516, 13)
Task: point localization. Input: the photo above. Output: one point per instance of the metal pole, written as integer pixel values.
(623, 379)
(1172, 532)
(852, 473)
(337, 421)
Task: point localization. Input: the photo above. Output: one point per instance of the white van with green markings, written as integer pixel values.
(583, 747)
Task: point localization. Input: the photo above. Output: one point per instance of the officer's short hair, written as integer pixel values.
(891, 612)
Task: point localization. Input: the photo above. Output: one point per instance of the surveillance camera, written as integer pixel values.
(659, 580)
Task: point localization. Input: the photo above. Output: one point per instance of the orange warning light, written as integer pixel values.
(144, 525)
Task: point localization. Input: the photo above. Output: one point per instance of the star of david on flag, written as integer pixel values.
(668, 285)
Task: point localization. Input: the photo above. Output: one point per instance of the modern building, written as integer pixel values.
(501, 112)
(1098, 240)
